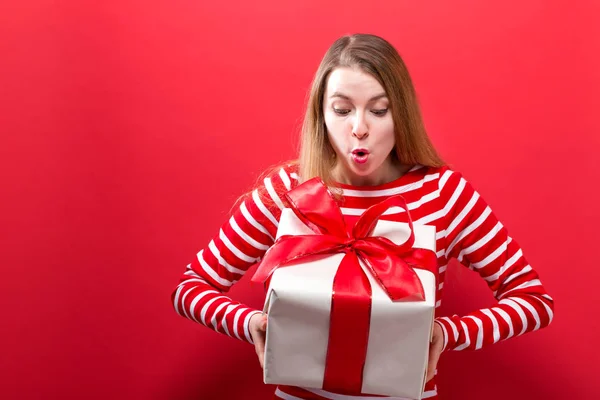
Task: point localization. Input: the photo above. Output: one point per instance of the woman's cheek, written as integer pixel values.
(335, 132)
(334, 140)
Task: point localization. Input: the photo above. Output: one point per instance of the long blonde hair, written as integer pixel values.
(377, 57)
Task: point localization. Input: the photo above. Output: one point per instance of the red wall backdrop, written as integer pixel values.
(130, 127)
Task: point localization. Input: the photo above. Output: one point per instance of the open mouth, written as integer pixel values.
(360, 152)
(360, 155)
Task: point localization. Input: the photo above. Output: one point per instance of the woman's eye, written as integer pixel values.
(341, 111)
(379, 112)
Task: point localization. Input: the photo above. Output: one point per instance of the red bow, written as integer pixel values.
(390, 264)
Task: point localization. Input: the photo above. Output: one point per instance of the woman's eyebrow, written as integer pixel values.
(345, 97)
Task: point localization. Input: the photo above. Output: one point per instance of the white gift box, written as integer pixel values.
(298, 305)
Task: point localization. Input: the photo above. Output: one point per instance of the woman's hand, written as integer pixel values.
(435, 350)
(258, 330)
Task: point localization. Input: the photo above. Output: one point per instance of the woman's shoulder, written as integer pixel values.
(281, 177)
(270, 186)
(424, 173)
(273, 183)
(445, 180)
(451, 184)
(441, 174)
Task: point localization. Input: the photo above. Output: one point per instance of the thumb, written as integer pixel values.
(263, 323)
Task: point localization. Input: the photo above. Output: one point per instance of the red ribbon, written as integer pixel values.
(391, 265)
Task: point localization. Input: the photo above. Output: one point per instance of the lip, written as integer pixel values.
(360, 155)
(360, 150)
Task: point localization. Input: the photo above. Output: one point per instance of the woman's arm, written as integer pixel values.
(240, 243)
(477, 239)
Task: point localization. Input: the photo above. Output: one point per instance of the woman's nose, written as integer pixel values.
(359, 128)
(359, 136)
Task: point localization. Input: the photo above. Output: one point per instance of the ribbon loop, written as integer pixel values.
(316, 207)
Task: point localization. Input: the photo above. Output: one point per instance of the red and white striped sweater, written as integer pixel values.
(466, 229)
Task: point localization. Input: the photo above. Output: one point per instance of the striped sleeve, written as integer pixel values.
(477, 239)
(240, 243)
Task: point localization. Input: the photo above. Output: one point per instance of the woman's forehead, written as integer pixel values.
(353, 84)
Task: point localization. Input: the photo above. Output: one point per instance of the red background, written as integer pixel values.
(130, 127)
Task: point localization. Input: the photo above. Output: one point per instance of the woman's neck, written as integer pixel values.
(386, 174)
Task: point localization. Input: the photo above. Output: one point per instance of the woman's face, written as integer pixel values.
(359, 126)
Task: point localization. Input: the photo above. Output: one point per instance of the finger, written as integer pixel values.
(261, 359)
(263, 324)
(259, 345)
(434, 357)
(259, 336)
(261, 355)
(430, 373)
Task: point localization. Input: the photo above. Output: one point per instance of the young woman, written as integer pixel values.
(364, 137)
